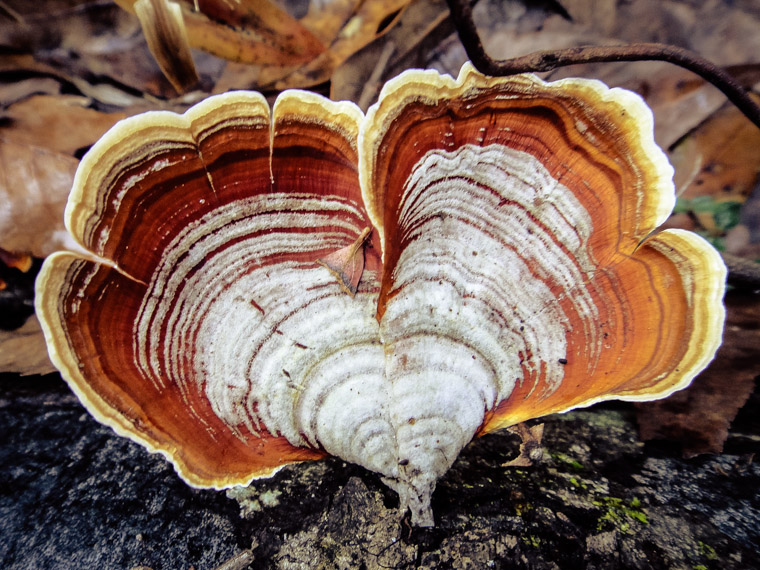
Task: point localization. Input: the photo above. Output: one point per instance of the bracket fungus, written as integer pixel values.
(470, 254)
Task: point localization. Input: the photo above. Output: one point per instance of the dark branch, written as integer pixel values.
(461, 14)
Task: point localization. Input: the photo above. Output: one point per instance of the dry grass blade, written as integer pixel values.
(165, 32)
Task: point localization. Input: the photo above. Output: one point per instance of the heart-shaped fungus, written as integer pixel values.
(469, 255)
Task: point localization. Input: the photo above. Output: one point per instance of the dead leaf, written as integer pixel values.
(87, 39)
(34, 187)
(530, 448)
(370, 20)
(246, 31)
(422, 25)
(24, 351)
(62, 123)
(698, 417)
(347, 264)
(366, 22)
(721, 158)
(680, 100)
(38, 141)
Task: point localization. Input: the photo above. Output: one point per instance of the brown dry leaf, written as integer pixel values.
(23, 350)
(680, 100)
(38, 141)
(368, 21)
(530, 447)
(60, 123)
(34, 187)
(721, 158)
(698, 418)
(247, 31)
(717, 167)
(347, 264)
(261, 32)
(423, 22)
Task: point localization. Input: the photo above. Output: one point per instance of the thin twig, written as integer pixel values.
(461, 14)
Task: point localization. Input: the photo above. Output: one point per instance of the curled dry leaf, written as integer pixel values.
(508, 275)
(164, 29)
(247, 31)
(347, 264)
(286, 52)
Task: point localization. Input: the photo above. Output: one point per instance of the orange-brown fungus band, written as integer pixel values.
(471, 254)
